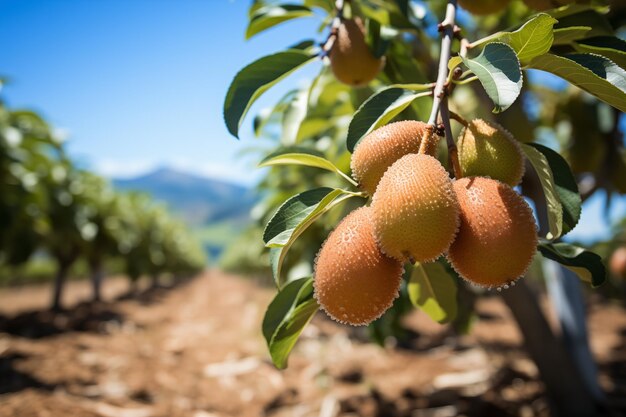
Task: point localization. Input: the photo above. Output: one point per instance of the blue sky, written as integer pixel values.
(138, 84)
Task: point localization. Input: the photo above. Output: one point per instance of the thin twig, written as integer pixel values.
(334, 28)
(458, 118)
(447, 27)
(453, 154)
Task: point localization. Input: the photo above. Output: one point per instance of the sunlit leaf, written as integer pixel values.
(553, 203)
(433, 290)
(586, 264)
(269, 16)
(288, 216)
(565, 186)
(253, 80)
(595, 74)
(285, 318)
(499, 71)
(533, 39)
(282, 243)
(565, 36)
(377, 111)
(305, 159)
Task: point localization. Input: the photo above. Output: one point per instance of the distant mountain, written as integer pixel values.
(198, 200)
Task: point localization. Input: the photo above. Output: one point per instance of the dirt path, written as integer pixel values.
(197, 351)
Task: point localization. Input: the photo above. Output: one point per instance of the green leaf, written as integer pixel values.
(328, 5)
(377, 111)
(565, 186)
(576, 9)
(289, 215)
(286, 316)
(279, 246)
(252, 81)
(608, 46)
(553, 203)
(565, 36)
(499, 71)
(272, 15)
(595, 74)
(599, 25)
(305, 159)
(433, 290)
(586, 264)
(533, 39)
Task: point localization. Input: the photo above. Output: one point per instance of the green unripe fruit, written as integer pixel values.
(354, 281)
(381, 148)
(486, 149)
(415, 211)
(497, 238)
(351, 59)
(484, 7)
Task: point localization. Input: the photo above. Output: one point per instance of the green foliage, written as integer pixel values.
(48, 205)
(586, 264)
(533, 39)
(319, 125)
(255, 79)
(285, 318)
(595, 74)
(433, 290)
(379, 110)
(498, 69)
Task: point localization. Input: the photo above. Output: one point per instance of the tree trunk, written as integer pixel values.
(565, 293)
(97, 276)
(568, 394)
(59, 283)
(155, 280)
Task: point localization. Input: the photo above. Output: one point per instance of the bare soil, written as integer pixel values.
(196, 350)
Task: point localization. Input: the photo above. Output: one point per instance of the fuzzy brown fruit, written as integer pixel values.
(381, 148)
(484, 7)
(618, 263)
(415, 212)
(354, 281)
(351, 59)
(486, 149)
(498, 235)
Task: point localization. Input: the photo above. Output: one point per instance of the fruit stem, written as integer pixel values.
(458, 118)
(447, 27)
(453, 154)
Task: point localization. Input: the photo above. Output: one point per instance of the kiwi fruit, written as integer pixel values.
(487, 149)
(351, 59)
(415, 211)
(354, 282)
(381, 148)
(497, 238)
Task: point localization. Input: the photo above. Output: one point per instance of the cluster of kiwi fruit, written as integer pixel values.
(418, 213)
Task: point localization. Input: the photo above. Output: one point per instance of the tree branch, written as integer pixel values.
(447, 27)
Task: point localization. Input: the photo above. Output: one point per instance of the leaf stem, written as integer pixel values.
(447, 27)
(466, 80)
(347, 178)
